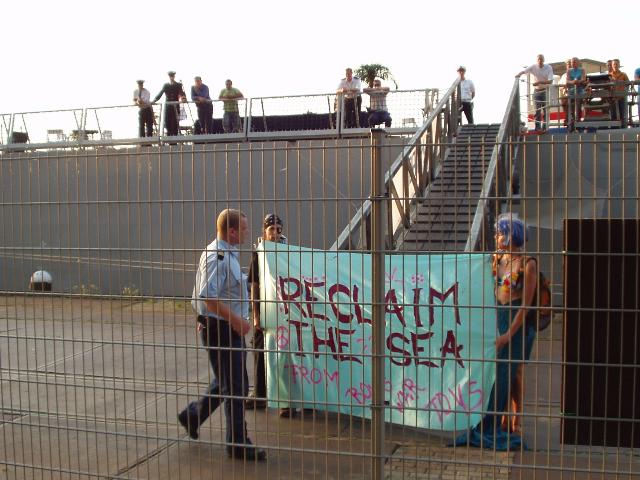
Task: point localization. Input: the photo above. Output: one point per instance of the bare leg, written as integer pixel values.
(517, 399)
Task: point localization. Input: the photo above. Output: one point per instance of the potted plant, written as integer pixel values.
(369, 71)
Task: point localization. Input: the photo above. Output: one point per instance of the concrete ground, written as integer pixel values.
(90, 388)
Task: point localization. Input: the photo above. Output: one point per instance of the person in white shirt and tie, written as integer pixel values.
(142, 98)
(351, 87)
(467, 94)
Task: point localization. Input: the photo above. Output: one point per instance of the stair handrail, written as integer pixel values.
(492, 187)
(437, 130)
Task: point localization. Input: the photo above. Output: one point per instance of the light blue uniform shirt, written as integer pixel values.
(220, 277)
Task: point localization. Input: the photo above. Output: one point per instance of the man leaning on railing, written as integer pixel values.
(351, 87)
(378, 112)
(543, 75)
(142, 98)
(619, 101)
(575, 83)
(200, 95)
(231, 117)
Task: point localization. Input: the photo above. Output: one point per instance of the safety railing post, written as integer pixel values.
(377, 298)
(12, 120)
(163, 110)
(340, 114)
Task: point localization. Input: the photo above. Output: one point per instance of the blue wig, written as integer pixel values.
(514, 229)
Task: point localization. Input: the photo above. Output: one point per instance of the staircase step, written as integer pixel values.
(436, 237)
(443, 219)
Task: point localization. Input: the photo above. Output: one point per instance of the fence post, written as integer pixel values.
(377, 298)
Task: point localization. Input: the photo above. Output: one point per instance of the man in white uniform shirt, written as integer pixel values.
(142, 98)
(350, 87)
(543, 76)
(467, 94)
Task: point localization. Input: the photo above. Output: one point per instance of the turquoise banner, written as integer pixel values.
(439, 336)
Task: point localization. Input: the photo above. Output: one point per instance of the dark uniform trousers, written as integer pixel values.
(467, 108)
(352, 107)
(227, 356)
(172, 92)
(171, 118)
(145, 121)
(205, 116)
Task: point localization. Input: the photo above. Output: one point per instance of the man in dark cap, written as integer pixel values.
(173, 92)
(142, 98)
(272, 232)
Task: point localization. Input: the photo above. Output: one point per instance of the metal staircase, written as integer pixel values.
(442, 220)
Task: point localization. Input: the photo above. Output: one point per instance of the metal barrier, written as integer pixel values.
(118, 122)
(557, 114)
(5, 130)
(408, 109)
(36, 127)
(272, 117)
(94, 371)
(261, 118)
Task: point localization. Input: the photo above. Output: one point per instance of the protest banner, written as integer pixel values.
(440, 329)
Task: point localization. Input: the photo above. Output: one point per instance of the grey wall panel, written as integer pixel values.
(101, 220)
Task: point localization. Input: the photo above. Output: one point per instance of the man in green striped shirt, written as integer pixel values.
(231, 117)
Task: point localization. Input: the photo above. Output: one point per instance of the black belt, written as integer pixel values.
(203, 319)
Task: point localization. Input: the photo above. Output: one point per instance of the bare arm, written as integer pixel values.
(230, 96)
(373, 90)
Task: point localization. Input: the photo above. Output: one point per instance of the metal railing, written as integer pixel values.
(498, 180)
(266, 117)
(560, 107)
(409, 175)
(408, 109)
(94, 372)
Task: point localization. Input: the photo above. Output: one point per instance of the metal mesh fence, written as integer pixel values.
(95, 371)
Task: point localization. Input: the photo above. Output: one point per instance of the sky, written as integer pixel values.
(69, 53)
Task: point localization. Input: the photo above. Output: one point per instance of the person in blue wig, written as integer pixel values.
(515, 277)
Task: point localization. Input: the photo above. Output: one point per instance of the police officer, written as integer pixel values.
(220, 297)
(173, 92)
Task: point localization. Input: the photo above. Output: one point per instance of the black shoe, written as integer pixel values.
(254, 403)
(189, 424)
(287, 412)
(249, 453)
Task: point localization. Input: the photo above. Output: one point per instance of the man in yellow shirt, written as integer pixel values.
(231, 122)
(620, 90)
